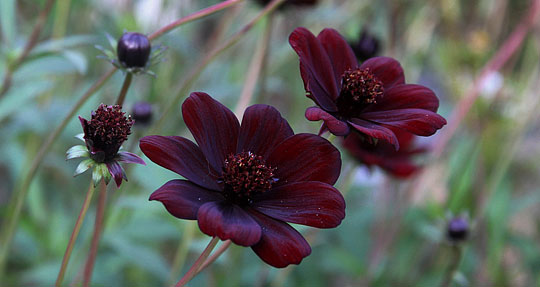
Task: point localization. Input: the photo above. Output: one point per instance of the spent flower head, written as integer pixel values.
(368, 98)
(103, 136)
(244, 182)
(132, 53)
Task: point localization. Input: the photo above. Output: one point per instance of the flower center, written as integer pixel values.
(246, 174)
(359, 88)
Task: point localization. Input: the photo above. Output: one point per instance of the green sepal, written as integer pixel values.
(77, 151)
(84, 166)
(100, 172)
(81, 137)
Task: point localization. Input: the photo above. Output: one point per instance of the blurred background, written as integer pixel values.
(395, 229)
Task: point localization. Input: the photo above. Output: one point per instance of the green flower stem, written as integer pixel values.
(19, 195)
(457, 253)
(30, 44)
(98, 228)
(197, 15)
(74, 234)
(195, 268)
(254, 70)
(125, 88)
(184, 87)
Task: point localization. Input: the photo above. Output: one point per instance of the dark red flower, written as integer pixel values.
(398, 163)
(368, 98)
(104, 134)
(244, 182)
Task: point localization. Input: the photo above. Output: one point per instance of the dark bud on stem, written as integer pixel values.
(367, 46)
(133, 50)
(458, 229)
(142, 113)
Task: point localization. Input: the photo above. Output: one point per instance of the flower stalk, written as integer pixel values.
(453, 267)
(74, 234)
(125, 88)
(98, 228)
(184, 86)
(198, 263)
(19, 195)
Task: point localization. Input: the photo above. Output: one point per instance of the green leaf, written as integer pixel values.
(8, 11)
(77, 59)
(56, 45)
(22, 94)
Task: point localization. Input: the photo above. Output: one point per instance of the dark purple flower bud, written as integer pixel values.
(458, 229)
(105, 132)
(367, 46)
(142, 113)
(133, 50)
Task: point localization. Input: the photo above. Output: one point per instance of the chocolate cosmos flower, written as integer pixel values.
(398, 163)
(103, 135)
(367, 98)
(244, 182)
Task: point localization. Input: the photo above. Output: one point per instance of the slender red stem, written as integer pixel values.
(197, 15)
(125, 88)
(74, 234)
(215, 256)
(507, 50)
(98, 228)
(196, 266)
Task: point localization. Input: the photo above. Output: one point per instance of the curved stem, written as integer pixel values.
(184, 87)
(254, 70)
(215, 256)
(74, 235)
(125, 88)
(32, 41)
(197, 15)
(507, 50)
(182, 251)
(195, 268)
(98, 228)
(453, 267)
(19, 195)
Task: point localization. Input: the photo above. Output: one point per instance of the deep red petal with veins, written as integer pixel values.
(128, 157)
(404, 97)
(183, 198)
(117, 172)
(214, 127)
(386, 70)
(310, 203)
(316, 68)
(228, 221)
(417, 121)
(261, 130)
(305, 157)
(374, 130)
(334, 125)
(340, 53)
(182, 156)
(280, 244)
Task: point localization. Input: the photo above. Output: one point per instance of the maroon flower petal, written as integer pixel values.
(340, 53)
(183, 198)
(316, 68)
(399, 167)
(117, 172)
(262, 129)
(280, 244)
(214, 127)
(334, 125)
(408, 96)
(305, 157)
(228, 221)
(417, 121)
(386, 70)
(181, 156)
(310, 203)
(128, 157)
(375, 131)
